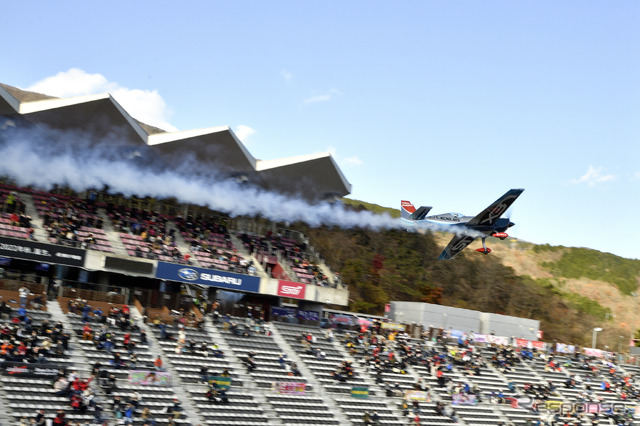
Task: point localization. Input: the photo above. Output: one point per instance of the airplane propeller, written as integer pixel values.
(509, 214)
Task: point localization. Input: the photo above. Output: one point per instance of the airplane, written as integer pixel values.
(487, 223)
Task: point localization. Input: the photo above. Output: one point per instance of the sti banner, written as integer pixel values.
(45, 253)
(192, 274)
(291, 289)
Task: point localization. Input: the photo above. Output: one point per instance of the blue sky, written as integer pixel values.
(447, 104)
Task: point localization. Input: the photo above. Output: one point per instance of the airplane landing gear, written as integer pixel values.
(484, 249)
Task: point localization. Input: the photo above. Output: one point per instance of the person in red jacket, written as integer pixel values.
(59, 420)
(87, 332)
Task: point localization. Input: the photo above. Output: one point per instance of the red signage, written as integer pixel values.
(291, 289)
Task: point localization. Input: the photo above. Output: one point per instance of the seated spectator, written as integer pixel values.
(87, 332)
(5, 309)
(212, 394)
(40, 419)
(39, 301)
(249, 361)
(158, 363)
(60, 420)
(224, 398)
(62, 387)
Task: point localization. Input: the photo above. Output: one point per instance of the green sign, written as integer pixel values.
(221, 382)
(360, 392)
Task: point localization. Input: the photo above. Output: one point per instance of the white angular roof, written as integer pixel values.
(315, 176)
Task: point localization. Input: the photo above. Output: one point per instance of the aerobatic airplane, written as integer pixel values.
(467, 228)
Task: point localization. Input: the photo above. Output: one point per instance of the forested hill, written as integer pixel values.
(570, 290)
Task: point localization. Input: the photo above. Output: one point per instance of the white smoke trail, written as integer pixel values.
(42, 157)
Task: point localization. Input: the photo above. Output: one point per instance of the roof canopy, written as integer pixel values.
(217, 148)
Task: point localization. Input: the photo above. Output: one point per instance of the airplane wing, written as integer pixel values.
(491, 214)
(421, 213)
(456, 245)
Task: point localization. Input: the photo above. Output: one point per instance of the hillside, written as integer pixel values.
(570, 290)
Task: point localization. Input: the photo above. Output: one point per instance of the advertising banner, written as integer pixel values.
(19, 369)
(593, 352)
(413, 395)
(360, 392)
(463, 399)
(480, 338)
(39, 252)
(283, 311)
(291, 289)
(212, 277)
(340, 319)
(308, 315)
(392, 326)
(149, 378)
(290, 388)
(565, 349)
(456, 333)
(221, 382)
(530, 344)
(498, 340)
(488, 338)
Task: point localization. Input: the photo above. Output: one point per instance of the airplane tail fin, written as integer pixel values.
(409, 212)
(406, 210)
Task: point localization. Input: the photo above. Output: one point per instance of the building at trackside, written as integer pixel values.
(464, 320)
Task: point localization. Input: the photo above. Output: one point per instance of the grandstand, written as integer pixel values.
(148, 311)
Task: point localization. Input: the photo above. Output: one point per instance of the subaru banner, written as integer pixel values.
(212, 277)
(39, 252)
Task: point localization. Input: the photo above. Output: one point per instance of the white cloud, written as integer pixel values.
(323, 97)
(317, 98)
(594, 176)
(144, 105)
(344, 162)
(286, 75)
(351, 161)
(244, 132)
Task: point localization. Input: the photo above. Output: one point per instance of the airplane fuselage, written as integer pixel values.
(444, 220)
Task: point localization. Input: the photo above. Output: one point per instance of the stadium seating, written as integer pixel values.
(29, 394)
(159, 399)
(253, 402)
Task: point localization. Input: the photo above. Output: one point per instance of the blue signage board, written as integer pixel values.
(212, 277)
(283, 311)
(308, 315)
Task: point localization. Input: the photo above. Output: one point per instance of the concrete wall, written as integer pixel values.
(430, 315)
(467, 320)
(505, 325)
